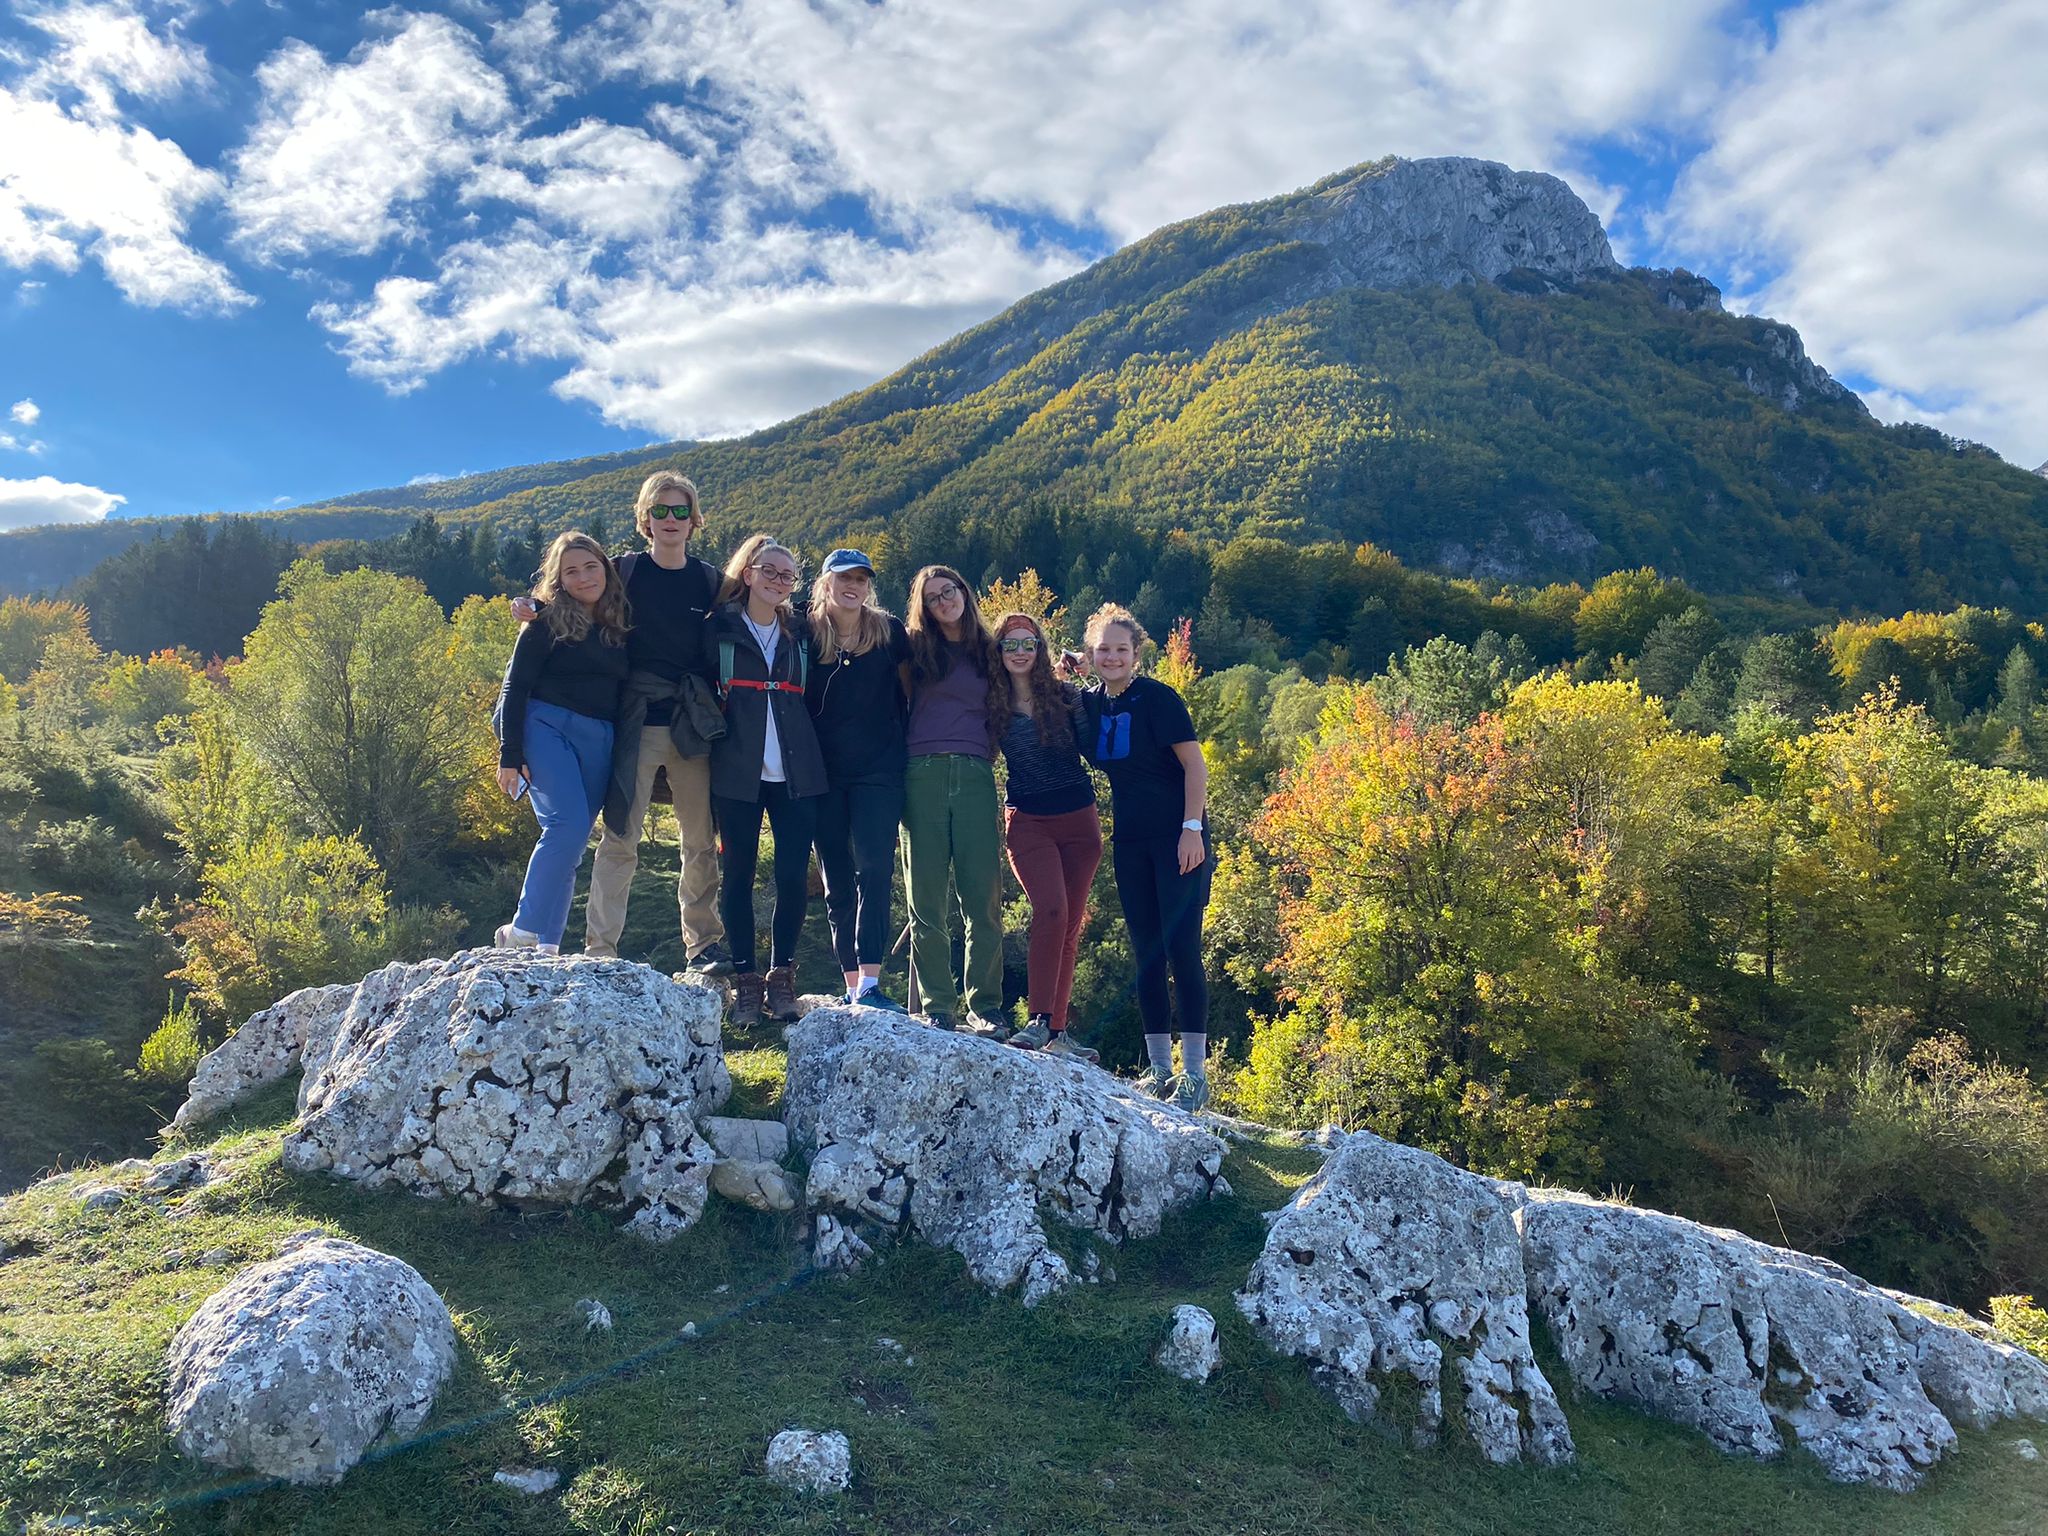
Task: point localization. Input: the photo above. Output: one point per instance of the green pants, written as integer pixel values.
(951, 826)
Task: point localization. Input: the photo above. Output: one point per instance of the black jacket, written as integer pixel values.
(695, 722)
(736, 756)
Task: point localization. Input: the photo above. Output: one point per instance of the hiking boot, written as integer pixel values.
(747, 989)
(1191, 1091)
(940, 1021)
(1034, 1036)
(1060, 1045)
(513, 937)
(1154, 1082)
(874, 997)
(781, 994)
(711, 960)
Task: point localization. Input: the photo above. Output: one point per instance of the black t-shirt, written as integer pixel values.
(669, 607)
(857, 703)
(1131, 739)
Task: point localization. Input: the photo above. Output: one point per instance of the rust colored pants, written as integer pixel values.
(1055, 859)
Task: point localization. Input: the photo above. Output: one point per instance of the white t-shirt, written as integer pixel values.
(769, 639)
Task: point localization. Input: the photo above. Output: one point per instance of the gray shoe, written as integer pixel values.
(988, 1028)
(940, 1021)
(1154, 1082)
(712, 960)
(1060, 1045)
(1034, 1036)
(1191, 1091)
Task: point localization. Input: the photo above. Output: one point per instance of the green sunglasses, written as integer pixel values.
(663, 510)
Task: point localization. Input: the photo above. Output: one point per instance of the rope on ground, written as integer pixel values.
(575, 1386)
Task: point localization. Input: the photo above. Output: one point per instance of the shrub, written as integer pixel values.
(2021, 1321)
(84, 855)
(171, 1054)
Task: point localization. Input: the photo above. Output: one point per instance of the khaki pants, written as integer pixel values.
(611, 872)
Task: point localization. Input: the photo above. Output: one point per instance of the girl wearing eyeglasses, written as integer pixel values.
(858, 694)
(768, 760)
(958, 703)
(554, 720)
(1050, 823)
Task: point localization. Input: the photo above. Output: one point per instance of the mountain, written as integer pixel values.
(1438, 356)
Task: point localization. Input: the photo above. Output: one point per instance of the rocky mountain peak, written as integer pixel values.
(1439, 222)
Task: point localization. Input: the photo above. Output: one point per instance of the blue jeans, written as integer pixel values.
(569, 758)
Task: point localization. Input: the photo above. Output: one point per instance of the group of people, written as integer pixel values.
(842, 723)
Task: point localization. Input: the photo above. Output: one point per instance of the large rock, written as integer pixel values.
(300, 1364)
(294, 1032)
(1387, 1263)
(520, 1079)
(1742, 1340)
(962, 1142)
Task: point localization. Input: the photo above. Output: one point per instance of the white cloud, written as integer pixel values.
(598, 179)
(27, 412)
(73, 185)
(45, 499)
(100, 50)
(341, 154)
(1877, 181)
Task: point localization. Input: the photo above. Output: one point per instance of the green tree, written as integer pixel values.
(346, 698)
(1616, 617)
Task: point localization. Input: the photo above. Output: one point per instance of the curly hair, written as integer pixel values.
(568, 619)
(1116, 613)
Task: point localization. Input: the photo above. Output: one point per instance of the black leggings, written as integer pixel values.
(857, 850)
(1163, 909)
(739, 835)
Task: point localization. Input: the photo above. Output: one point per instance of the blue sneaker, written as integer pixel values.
(875, 997)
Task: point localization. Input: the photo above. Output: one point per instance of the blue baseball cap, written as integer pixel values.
(848, 560)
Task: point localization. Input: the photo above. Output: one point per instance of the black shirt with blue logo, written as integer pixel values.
(1131, 739)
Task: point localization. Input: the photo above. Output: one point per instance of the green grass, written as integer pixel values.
(990, 1418)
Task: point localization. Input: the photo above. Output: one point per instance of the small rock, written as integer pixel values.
(188, 1172)
(2025, 1450)
(131, 1165)
(215, 1258)
(173, 1257)
(720, 1290)
(811, 1461)
(750, 1141)
(689, 1330)
(533, 1480)
(889, 1346)
(101, 1197)
(757, 1185)
(838, 1246)
(1191, 1350)
(597, 1318)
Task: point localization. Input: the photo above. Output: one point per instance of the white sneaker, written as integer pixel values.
(510, 937)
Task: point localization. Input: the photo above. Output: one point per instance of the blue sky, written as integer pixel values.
(257, 252)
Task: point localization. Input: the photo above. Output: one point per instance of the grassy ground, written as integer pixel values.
(982, 1417)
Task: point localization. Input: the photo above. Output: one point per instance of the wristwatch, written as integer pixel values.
(1191, 826)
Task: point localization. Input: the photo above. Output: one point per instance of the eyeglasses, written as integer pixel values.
(940, 594)
(1019, 643)
(781, 575)
(664, 511)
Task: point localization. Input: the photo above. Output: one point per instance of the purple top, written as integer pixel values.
(951, 715)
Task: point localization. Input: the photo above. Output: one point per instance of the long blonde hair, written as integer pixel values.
(871, 631)
(569, 620)
(735, 583)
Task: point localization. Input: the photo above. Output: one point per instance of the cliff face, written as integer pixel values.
(1441, 222)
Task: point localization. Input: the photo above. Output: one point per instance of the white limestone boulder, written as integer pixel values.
(811, 1461)
(1191, 1349)
(1391, 1263)
(299, 1365)
(964, 1142)
(1745, 1341)
(518, 1079)
(293, 1033)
